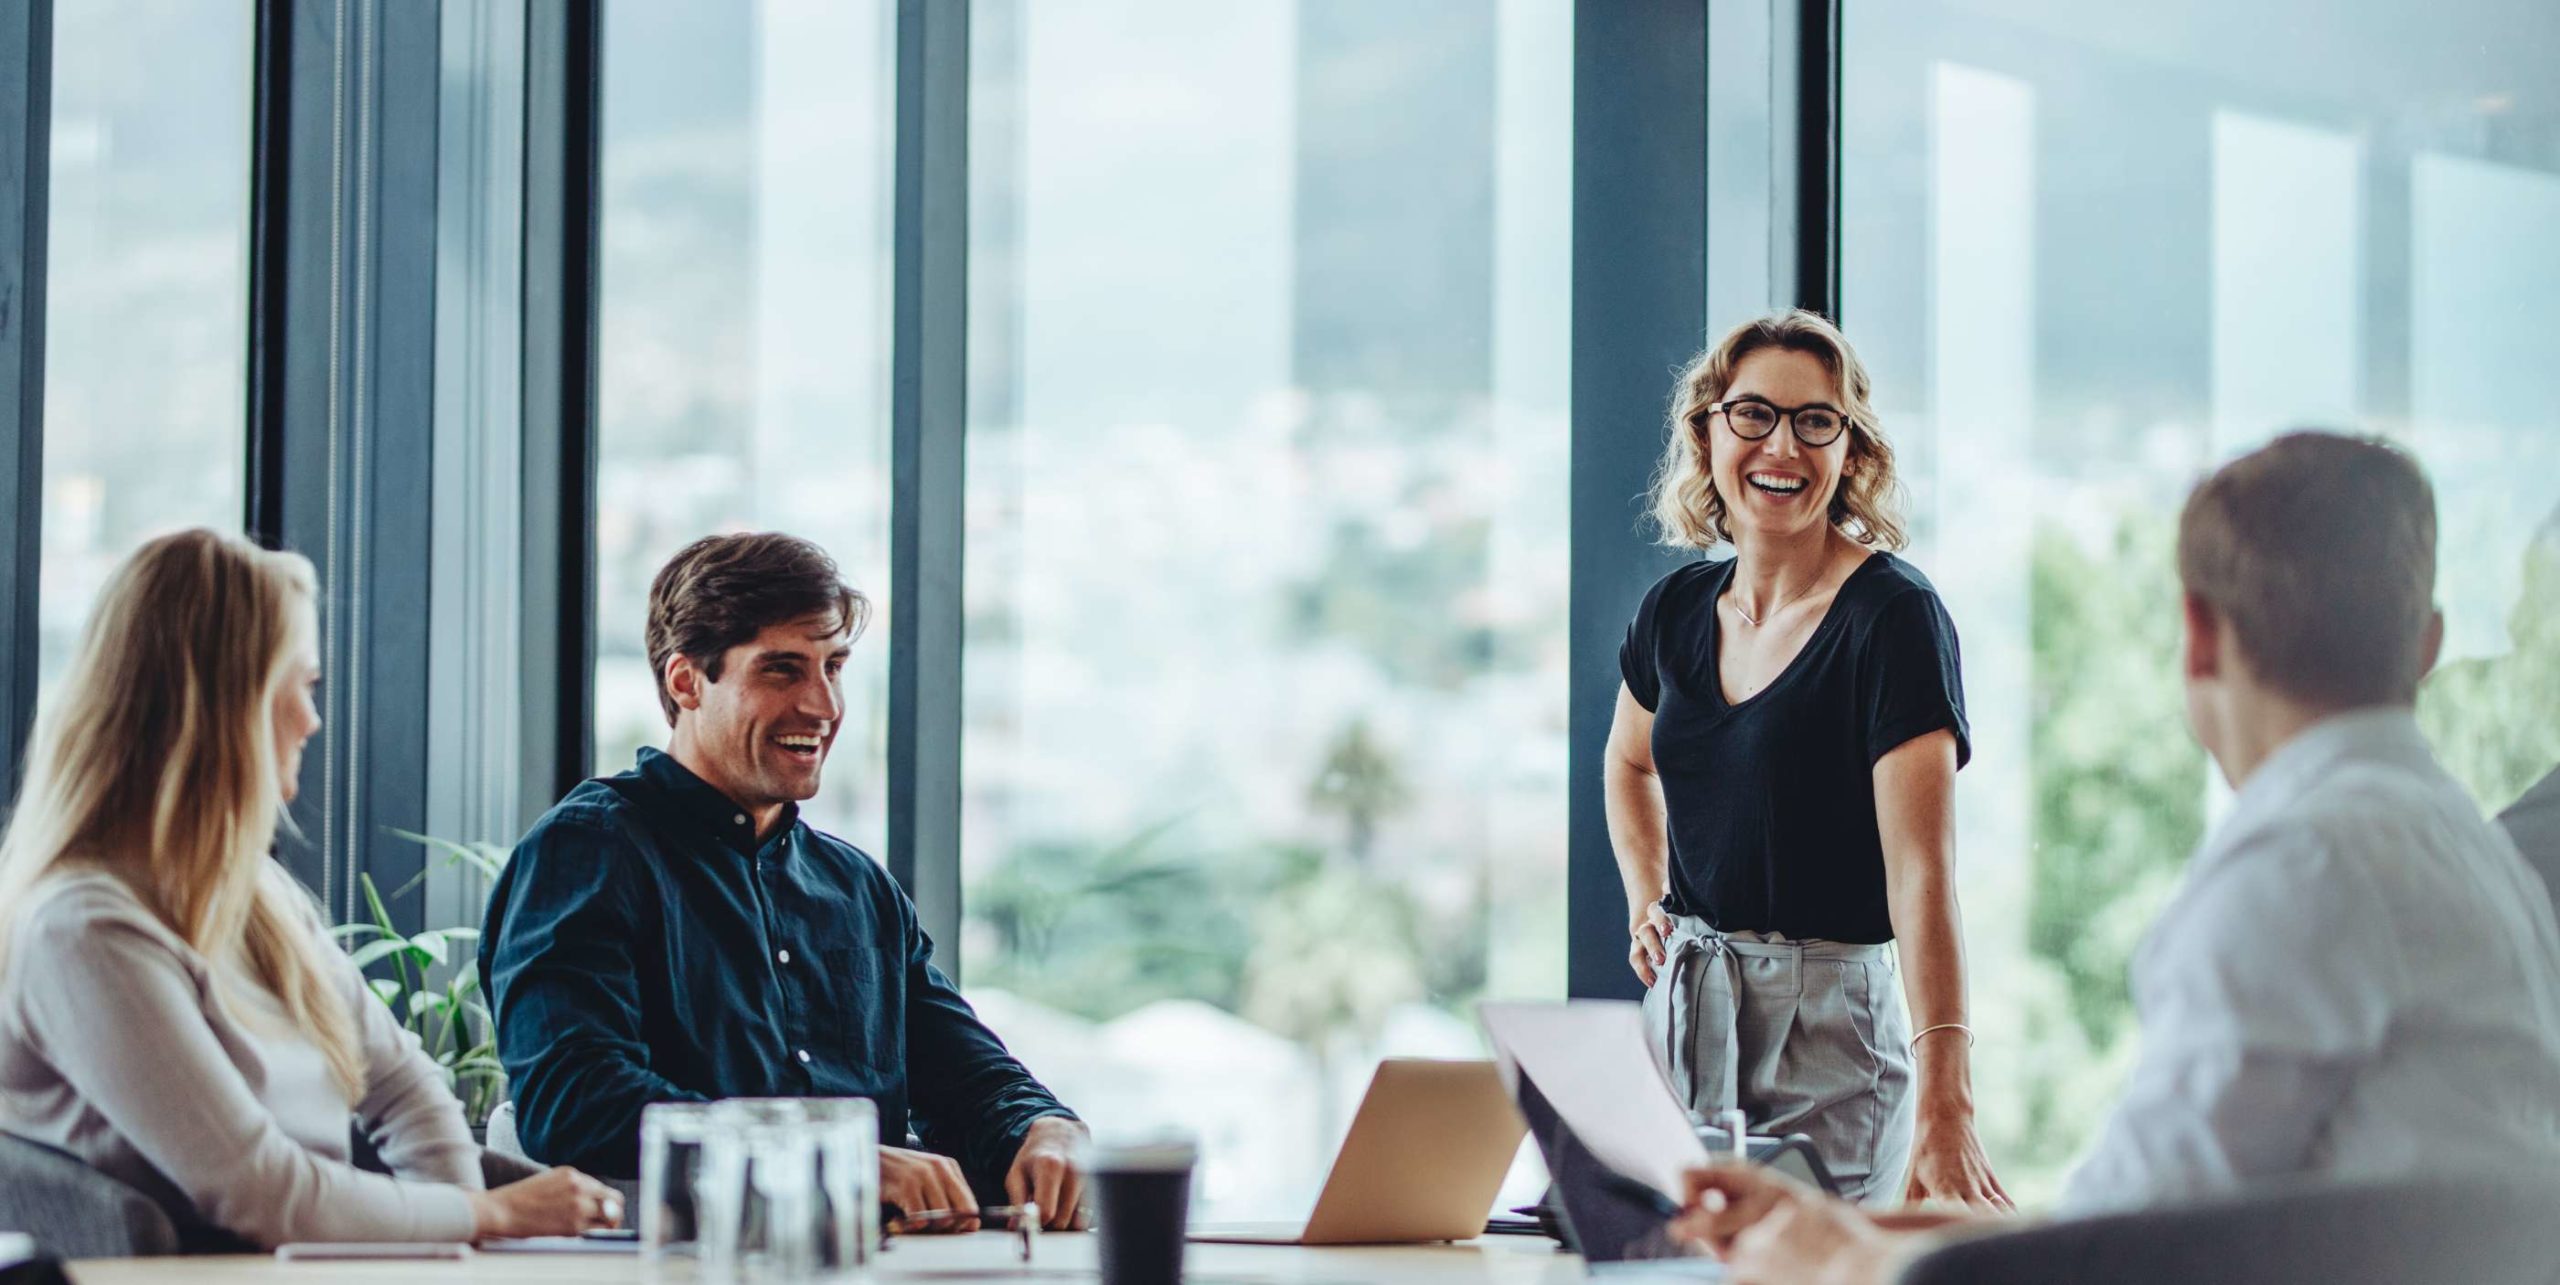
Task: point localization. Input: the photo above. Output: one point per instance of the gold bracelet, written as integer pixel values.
(1944, 1026)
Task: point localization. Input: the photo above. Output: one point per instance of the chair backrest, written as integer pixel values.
(2489, 1230)
(73, 1210)
(502, 1132)
(2534, 823)
(76, 1212)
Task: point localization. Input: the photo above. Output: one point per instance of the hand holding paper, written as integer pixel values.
(1590, 1060)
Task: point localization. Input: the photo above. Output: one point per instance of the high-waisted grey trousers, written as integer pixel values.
(1803, 1036)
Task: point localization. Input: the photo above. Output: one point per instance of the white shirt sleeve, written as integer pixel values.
(119, 1016)
(408, 1110)
(2264, 986)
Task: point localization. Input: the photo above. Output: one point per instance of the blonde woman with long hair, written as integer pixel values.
(171, 1009)
(1780, 779)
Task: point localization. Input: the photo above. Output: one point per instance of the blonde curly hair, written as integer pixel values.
(1867, 506)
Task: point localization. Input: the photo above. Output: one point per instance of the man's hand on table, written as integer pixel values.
(1771, 1230)
(914, 1182)
(1046, 1172)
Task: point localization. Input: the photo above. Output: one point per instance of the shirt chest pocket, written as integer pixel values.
(863, 996)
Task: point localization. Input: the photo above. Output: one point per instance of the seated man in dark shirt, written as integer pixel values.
(677, 934)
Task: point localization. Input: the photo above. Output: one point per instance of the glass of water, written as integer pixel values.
(759, 1194)
(846, 1134)
(671, 1135)
(788, 1191)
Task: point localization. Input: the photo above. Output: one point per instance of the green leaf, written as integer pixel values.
(488, 859)
(373, 952)
(382, 915)
(448, 936)
(373, 902)
(351, 930)
(385, 989)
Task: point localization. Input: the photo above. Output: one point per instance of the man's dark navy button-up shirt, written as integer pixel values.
(643, 946)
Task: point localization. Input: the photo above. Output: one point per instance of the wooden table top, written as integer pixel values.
(1494, 1260)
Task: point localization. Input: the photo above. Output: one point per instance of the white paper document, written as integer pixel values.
(560, 1245)
(1590, 1060)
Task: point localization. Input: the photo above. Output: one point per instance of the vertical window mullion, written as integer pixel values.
(1639, 309)
(929, 381)
(26, 132)
(563, 87)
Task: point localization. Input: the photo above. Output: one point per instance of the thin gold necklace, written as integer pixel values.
(1754, 621)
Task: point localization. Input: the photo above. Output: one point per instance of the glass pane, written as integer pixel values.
(147, 304)
(745, 346)
(1265, 683)
(2089, 253)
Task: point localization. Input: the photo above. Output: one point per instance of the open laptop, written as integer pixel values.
(1424, 1159)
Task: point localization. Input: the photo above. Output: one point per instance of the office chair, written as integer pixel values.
(2486, 1230)
(75, 1212)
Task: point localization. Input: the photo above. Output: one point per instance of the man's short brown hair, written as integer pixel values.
(723, 590)
(2320, 549)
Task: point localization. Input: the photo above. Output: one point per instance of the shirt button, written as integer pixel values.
(740, 819)
(782, 956)
(804, 1057)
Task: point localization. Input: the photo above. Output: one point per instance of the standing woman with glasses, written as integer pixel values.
(1781, 776)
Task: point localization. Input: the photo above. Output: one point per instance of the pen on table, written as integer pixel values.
(987, 1213)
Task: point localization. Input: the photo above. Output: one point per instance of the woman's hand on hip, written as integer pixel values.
(1648, 934)
(1948, 1165)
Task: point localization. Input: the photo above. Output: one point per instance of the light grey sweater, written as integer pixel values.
(118, 1045)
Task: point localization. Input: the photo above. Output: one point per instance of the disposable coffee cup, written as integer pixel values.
(1142, 1204)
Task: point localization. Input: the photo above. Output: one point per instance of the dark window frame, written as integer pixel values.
(341, 378)
(26, 143)
(929, 384)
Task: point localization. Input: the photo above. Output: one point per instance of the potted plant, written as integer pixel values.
(450, 1018)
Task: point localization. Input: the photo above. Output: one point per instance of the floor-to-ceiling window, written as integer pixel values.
(1264, 679)
(146, 310)
(2090, 251)
(1264, 699)
(744, 306)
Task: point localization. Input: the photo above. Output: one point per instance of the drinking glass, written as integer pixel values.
(757, 1193)
(671, 1136)
(846, 1132)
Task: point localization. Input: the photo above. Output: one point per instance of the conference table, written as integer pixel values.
(1494, 1260)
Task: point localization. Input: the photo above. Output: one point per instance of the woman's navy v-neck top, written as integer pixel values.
(1772, 802)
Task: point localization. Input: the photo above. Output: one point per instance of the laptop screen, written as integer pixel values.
(1606, 1216)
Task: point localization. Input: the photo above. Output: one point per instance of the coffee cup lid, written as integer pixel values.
(1165, 1153)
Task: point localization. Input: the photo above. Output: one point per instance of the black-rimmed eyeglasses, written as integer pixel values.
(1752, 419)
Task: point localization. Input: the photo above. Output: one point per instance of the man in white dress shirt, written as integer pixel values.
(2358, 977)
